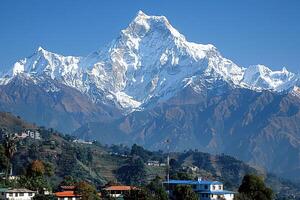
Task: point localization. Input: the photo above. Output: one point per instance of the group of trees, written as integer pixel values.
(254, 188)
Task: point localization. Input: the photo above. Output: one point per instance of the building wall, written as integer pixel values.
(68, 198)
(215, 197)
(18, 196)
(216, 187)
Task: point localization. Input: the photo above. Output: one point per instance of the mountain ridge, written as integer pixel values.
(151, 84)
(149, 60)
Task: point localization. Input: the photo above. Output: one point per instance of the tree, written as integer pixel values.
(141, 152)
(10, 148)
(156, 189)
(3, 159)
(253, 188)
(133, 173)
(35, 177)
(36, 168)
(138, 194)
(87, 191)
(68, 180)
(184, 193)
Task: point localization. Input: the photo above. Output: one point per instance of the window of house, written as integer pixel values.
(214, 187)
(69, 198)
(21, 194)
(10, 194)
(206, 195)
(220, 187)
(30, 194)
(17, 194)
(206, 187)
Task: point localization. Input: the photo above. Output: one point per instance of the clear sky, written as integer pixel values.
(245, 31)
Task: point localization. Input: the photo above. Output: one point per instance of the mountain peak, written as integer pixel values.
(40, 48)
(144, 23)
(141, 13)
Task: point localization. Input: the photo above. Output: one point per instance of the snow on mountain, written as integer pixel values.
(150, 59)
(260, 77)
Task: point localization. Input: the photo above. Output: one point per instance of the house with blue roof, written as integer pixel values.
(206, 190)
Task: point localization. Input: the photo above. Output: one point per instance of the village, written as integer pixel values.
(204, 189)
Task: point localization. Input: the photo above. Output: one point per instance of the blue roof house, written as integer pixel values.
(206, 190)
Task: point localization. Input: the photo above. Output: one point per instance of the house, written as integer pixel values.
(67, 193)
(190, 168)
(117, 191)
(81, 141)
(206, 190)
(31, 134)
(155, 163)
(16, 194)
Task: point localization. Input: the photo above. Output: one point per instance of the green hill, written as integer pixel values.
(100, 164)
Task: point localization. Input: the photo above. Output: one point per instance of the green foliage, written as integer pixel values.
(68, 180)
(85, 155)
(132, 173)
(87, 191)
(184, 193)
(4, 162)
(253, 187)
(44, 197)
(138, 194)
(174, 164)
(141, 152)
(181, 176)
(156, 189)
(35, 178)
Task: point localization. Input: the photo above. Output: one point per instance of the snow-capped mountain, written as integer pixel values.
(150, 59)
(185, 92)
(260, 77)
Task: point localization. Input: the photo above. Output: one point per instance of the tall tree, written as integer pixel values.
(254, 188)
(87, 191)
(10, 147)
(156, 189)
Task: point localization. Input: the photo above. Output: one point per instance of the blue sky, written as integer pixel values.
(247, 32)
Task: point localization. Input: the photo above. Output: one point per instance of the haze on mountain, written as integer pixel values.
(150, 84)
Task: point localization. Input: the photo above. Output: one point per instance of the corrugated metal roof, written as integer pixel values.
(192, 182)
(22, 190)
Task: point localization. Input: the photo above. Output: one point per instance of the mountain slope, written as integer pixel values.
(259, 128)
(151, 84)
(51, 104)
(98, 164)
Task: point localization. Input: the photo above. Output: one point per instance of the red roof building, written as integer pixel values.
(118, 191)
(69, 195)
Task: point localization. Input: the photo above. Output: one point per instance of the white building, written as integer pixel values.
(32, 134)
(206, 190)
(155, 163)
(16, 194)
(81, 141)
